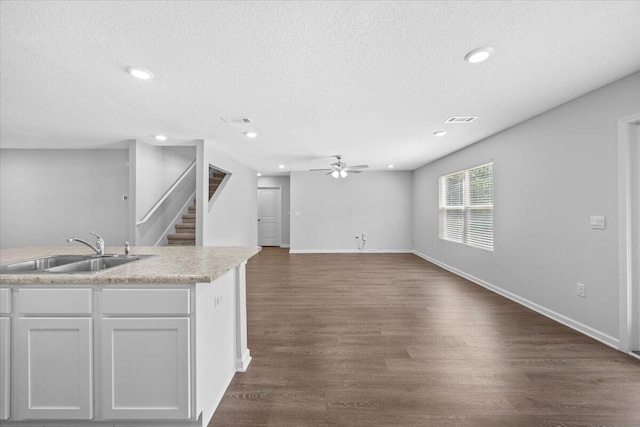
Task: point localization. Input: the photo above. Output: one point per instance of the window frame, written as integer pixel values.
(465, 209)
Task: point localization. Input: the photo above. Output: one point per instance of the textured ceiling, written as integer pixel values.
(369, 80)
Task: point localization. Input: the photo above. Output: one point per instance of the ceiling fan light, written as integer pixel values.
(335, 174)
(343, 173)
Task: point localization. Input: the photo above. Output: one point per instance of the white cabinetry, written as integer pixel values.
(55, 378)
(119, 355)
(146, 360)
(5, 353)
(55, 370)
(145, 365)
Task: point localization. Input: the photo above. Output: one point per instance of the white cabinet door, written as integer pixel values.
(146, 368)
(55, 368)
(5, 367)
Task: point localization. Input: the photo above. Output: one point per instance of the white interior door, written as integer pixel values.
(269, 216)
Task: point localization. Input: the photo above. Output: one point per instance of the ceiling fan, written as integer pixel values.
(340, 169)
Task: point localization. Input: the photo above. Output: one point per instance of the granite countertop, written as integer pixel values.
(172, 264)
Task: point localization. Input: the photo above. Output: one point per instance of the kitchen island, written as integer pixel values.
(154, 342)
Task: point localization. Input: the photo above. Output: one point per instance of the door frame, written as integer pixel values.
(628, 283)
(279, 202)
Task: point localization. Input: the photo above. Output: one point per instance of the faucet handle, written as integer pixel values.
(97, 235)
(127, 249)
(99, 243)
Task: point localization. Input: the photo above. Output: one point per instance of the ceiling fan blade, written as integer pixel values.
(315, 170)
(359, 167)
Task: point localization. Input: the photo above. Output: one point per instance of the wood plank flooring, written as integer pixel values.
(392, 340)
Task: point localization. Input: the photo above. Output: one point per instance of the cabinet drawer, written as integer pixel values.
(117, 302)
(5, 301)
(55, 301)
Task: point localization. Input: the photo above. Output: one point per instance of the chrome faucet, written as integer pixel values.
(98, 248)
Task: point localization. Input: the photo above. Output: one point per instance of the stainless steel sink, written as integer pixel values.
(69, 264)
(93, 265)
(39, 264)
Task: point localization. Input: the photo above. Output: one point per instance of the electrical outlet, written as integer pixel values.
(582, 290)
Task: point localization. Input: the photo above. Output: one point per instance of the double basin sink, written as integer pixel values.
(69, 264)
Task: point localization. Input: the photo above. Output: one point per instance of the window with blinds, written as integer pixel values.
(466, 207)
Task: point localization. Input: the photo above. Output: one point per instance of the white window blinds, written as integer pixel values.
(466, 207)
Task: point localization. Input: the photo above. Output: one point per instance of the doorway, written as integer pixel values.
(269, 216)
(629, 232)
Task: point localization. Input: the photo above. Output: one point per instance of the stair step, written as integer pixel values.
(182, 236)
(185, 230)
(192, 209)
(189, 218)
(181, 243)
(187, 226)
(215, 180)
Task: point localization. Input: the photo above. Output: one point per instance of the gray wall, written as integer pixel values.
(332, 211)
(232, 220)
(284, 182)
(49, 195)
(550, 174)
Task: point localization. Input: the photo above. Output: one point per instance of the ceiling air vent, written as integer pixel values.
(460, 119)
(236, 120)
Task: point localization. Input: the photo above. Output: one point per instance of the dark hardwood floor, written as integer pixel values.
(392, 340)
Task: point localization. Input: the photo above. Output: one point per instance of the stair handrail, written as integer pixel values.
(167, 193)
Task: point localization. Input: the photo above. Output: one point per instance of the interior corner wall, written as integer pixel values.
(155, 170)
(551, 173)
(233, 217)
(47, 196)
(285, 183)
(327, 213)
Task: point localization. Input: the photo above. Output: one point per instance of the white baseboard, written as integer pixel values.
(242, 363)
(573, 324)
(350, 251)
(284, 246)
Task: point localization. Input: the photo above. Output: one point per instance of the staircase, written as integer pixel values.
(215, 178)
(185, 234)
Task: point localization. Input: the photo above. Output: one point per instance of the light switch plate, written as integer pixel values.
(598, 222)
(581, 290)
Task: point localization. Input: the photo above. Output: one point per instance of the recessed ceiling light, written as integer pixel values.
(390, 166)
(161, 137)
(478, 55)
(251, 134)
(281, 166)
(258, 174)
(440, 133)
(140, 73)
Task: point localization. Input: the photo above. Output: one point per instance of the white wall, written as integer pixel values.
(550, 174)
(154, 170)
(284, 182)
(233, 217)
(49, 195)
(332, 211)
